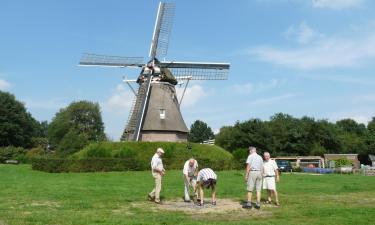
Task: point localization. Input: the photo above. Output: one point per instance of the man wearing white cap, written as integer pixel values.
(158, 172)
(190, 173)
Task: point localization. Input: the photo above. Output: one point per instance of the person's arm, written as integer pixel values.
(196, 171)
(277, 172)
(247, 171)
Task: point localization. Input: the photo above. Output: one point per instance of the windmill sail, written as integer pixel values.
(162, 30)
(110, 61)
(198, 70)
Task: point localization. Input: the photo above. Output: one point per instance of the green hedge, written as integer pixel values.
(119, 156)
(56, 165)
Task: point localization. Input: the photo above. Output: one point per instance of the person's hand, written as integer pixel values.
(246, 178)
(277, 179)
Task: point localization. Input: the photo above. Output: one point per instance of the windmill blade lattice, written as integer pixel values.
(110, 61)
(163, 27)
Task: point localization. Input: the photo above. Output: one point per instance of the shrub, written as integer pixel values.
(12, 153)
(342, 162)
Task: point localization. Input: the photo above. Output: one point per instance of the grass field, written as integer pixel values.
(32, 197)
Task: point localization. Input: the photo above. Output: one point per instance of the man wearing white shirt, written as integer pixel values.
(190, 172)
(270, 172)
(254, 167)
(158, 171)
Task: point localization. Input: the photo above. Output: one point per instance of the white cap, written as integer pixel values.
(160, 150)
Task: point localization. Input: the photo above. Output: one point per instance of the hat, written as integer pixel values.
(160, 150)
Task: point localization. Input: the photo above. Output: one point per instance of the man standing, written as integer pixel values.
(206, 179)
(270, 171)
(254, 166)
(190, 172)
(158, 172)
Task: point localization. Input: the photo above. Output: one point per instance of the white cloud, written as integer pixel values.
(4, 85)
(271, 100)
(302, 33)
(348, 79)
(248, 88)
(326, 53)
(193, 94)
(359, 114)
(336, 4)
(120, 101)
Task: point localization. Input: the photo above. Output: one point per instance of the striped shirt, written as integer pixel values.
(255, 161)
(205, 174)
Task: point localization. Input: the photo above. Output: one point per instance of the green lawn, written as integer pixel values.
(32, 197)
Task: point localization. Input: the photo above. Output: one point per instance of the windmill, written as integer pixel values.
(155, 114)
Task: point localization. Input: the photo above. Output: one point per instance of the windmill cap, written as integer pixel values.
(160, 150)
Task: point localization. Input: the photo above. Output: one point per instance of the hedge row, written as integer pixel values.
(122, 156)
(58, 165)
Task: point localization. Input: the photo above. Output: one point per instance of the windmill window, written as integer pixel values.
(162, 114)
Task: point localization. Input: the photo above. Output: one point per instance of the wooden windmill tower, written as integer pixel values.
(155, 114)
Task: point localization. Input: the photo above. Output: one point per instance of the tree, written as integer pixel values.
(371, 125)
(199, 132)
(351, 126)
(17, 126)
(75, 126)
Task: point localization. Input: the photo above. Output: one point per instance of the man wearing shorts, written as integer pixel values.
(270, 175)
(254, 167)
(206, 179)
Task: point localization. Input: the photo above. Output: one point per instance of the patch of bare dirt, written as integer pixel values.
(45, 203)
(225, 209)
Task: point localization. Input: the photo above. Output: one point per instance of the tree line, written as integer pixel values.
(70, 130)
(286, 135)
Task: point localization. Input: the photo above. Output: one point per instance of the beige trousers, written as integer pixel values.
(155, 193)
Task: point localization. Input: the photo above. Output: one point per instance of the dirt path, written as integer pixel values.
(223, 209)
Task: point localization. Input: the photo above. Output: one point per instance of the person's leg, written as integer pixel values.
(269, 195)
(186, 190)
(201, 193)
(258, 186)
(276, 197)
(151, 195)
(213, 188)
(250, 188)
(157, 188)
(193, 185)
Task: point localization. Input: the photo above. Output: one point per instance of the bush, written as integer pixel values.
(342, 162)
(117, 156)
(12, 153)
(240, 155)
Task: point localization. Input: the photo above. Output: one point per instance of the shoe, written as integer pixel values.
(247, 206)
(200, 204)
(150, 198)
(158, 202)
(187, 200)
(214, 203)
(257, 206)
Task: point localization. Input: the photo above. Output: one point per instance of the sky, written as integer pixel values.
(302, 57)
